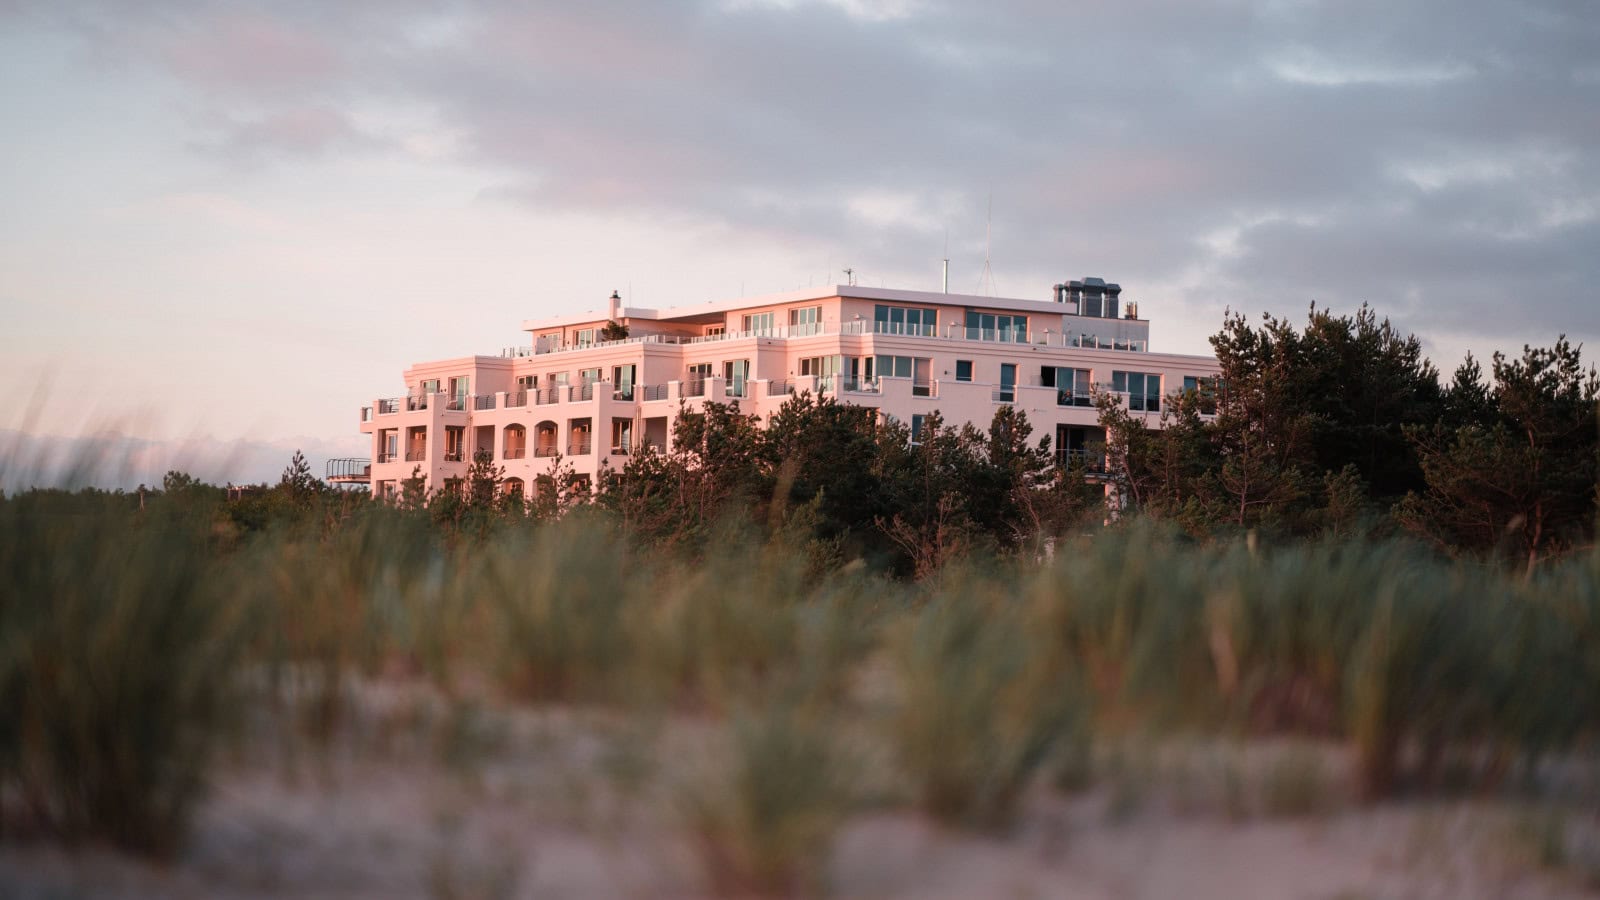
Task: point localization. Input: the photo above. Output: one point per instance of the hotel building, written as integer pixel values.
(581, 390)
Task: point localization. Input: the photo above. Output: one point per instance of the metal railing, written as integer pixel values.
(545, 450)
(654, 392)
(517, 452)
(515, 399)
(695, 387)
(1073, 398)
(859, 386)
(416, 402)
(779, 388)
(585, 391)
(416, 454)
(1089, 460)
(390, 407)
(579, 447)
(1004, 395)
(456, 455)
(951, 331)
(546, 396)
(483, 401)
(348, 469)
(385, 456)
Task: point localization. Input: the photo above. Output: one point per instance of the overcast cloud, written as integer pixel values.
(1438, 159)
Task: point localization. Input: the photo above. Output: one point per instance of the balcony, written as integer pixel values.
(579, 447)
(455, 455)
(348, 471)
(416, 403)
(384, 456)
(545, 451)
(1090, 461)
(1004, 395)
(516, 452)
(391, 406)
(457, 403)
(584, 392)
(416, 454)
(779, 389)
(624, 393)
(483, 401)
(547, 396)
(516, 399)
(653, 392)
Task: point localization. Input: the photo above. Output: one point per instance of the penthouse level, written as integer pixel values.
(593, 387)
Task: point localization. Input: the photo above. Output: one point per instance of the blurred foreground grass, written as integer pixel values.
(138, 646)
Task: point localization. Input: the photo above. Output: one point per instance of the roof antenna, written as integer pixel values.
(850, 276)
(986, 283)
(946, 282)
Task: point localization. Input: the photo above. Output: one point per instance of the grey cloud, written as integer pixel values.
(1117, 138)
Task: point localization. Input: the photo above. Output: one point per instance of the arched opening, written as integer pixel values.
(516, 442)
(545, 439)
(512, 489)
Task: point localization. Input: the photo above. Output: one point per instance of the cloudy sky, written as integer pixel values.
(232, 224)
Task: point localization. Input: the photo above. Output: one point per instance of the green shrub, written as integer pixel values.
(118, 664)
(982, 706)
(765, 824)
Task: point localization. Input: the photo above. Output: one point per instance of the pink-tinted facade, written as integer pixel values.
(592, 402)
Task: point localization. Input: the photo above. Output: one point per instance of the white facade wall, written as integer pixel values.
(665, 348)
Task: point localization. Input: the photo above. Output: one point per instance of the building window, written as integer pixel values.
(1143, 389)
(904, 320)
(1072, 385)
(585, 337)
(391, 446)
(963, 370)
(916, 427)
(621, 436)
(916, 368)
(527, 382)
(996, 327)
(1205, 388)
(716, 330)
(735, 372)
(760, 323)
(805, 321)
(455, 443)
(429, 387)
(1008, 383)
(588, 376)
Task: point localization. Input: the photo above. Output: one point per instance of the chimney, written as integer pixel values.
(614, 311)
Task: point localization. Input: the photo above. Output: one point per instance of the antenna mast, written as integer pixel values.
(986, 283)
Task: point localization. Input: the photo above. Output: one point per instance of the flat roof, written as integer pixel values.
(711, 307)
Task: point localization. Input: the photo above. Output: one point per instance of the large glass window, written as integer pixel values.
(736, 372)
(916, 427)
(585, 337)
(758, 322)
(1008, 382)
(916, 368)
(804, 321)
(1143, 389)
(963, 370)
(982, 326)
(1072, 386)
(904, 320)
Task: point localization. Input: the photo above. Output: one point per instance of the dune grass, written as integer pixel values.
(131, 641)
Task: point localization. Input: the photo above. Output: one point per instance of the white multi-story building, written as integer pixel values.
(582, 391)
